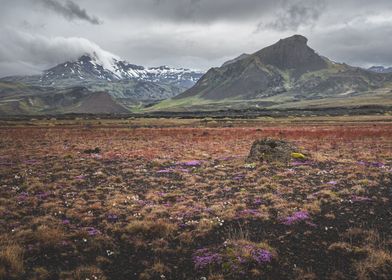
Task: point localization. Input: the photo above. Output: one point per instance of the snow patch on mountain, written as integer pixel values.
(105, 66)
(380, 69)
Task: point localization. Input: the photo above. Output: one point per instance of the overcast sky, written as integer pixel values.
(199, 34)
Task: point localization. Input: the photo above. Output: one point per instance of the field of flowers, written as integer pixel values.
(176, 199)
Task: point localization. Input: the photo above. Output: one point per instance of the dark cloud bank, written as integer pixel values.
(37, 34)
(70, 10)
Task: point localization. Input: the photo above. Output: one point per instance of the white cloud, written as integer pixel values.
(26, 50)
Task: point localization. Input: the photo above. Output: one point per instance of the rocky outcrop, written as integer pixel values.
(271, 150)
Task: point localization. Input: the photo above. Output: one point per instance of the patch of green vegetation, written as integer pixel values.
(8, 85)
(197, 103)
(287, 81)
(174, 103)
(369, 98)
(332, 69)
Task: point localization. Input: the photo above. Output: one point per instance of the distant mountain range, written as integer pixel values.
(380, 69)
(93, 68)
(287, 74)
(127, 84)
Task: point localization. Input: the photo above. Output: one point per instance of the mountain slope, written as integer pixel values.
(129, 84)
(238, 58)
(20, 99)
(288, 71)
(99, 103)
(93, 68)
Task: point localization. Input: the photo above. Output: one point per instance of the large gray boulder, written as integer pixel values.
(270, 150)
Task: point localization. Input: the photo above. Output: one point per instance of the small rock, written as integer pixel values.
(92, 151)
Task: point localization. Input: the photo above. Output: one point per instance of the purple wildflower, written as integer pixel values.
(239, 177)
(376, 164)
(182, 225)
(225, 158)
(43, 195)
(96, 156)
(112, 218)
(142, 202)
(204, 258)
(356, 198)
(92, 231)
(165, 171)
(296, 217)
(171, 170)
(65, 222)
(249, 212)
(371, 164)
(311, 224)
(23, 196)
(262, 256)
(183, 170)
(332, 183)
(257, 201)
(192, 163)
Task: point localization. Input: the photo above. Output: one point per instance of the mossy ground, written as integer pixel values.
(174, 199)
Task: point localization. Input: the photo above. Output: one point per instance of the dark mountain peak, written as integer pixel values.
(126, 66)
(85, 58)
(294, 54)
(295, 39)
(276, 72)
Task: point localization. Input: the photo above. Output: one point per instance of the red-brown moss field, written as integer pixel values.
(176, 199)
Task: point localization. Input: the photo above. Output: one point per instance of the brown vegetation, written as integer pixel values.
(180, 201)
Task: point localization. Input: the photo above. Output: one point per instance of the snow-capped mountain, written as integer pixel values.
(130, 85)
(92, 67)
(380, 69)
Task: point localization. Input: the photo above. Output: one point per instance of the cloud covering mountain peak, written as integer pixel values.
(40, 52)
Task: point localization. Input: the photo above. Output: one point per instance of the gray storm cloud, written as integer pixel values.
(70, 10)
(295, 13)
(188, 33)
(192, 11)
